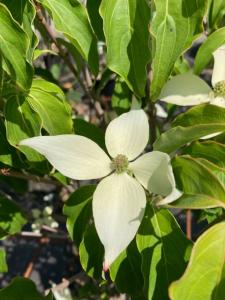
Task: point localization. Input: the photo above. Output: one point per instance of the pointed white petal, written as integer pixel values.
(154, 171)
(174, 195)
(219, 65)
(185, 90)
(128, 134)
(74, 156)
(160, 112)
(118, 208)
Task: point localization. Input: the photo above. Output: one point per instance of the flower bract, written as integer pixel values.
(119, 199)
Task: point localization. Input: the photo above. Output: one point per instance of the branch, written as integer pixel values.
(35, 178)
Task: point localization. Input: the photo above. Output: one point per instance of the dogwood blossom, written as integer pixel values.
(119, 199)
(188, 89)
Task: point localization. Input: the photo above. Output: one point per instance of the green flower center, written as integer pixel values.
(219, 89)
(120, 164)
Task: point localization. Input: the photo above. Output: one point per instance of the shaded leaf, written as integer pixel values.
(79, 211)
(128, 262)
(91, 131)
(11, 217)
(22, 289)
(91, 253)
(164, 249)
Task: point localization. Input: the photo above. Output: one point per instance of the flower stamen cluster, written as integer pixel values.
(120, 164)
(219, 89)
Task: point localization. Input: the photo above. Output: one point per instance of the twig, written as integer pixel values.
(35, 178)
(189, 224)
(62, 53)
(152, 110)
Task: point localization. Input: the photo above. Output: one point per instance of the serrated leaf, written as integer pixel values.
(78, 211)
(205, 274)
(201, 187)
(22, 289)
(125, 25)
(205, 52)
(164, 249)
(48, 100)
(77, 27)
(197, 122)
(3, 264)
(11, 217)
(176, 25)
(12, 34)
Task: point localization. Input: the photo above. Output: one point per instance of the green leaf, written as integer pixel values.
(201, 114)
(28, 26)
(122, 97)
(12, 34)
(164, 249)
(205, 274)
(174, 28)
(197, 122)
(216, 12)
(201, 187)
(127, 39)
(210, 150)
(78, 211)
(91, 131)
(48, 100)
(11, 217)
(8, 155)
(22, 289)
(16, 8)
(21, 123)
(128, 262)
(91, 253)
(71, 18)
(96, 20)
(3, 264)
(204, 54)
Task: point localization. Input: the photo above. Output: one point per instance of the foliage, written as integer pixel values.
(68, 68)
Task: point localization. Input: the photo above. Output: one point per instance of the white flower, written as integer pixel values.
(119, 199)
(188, 89)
